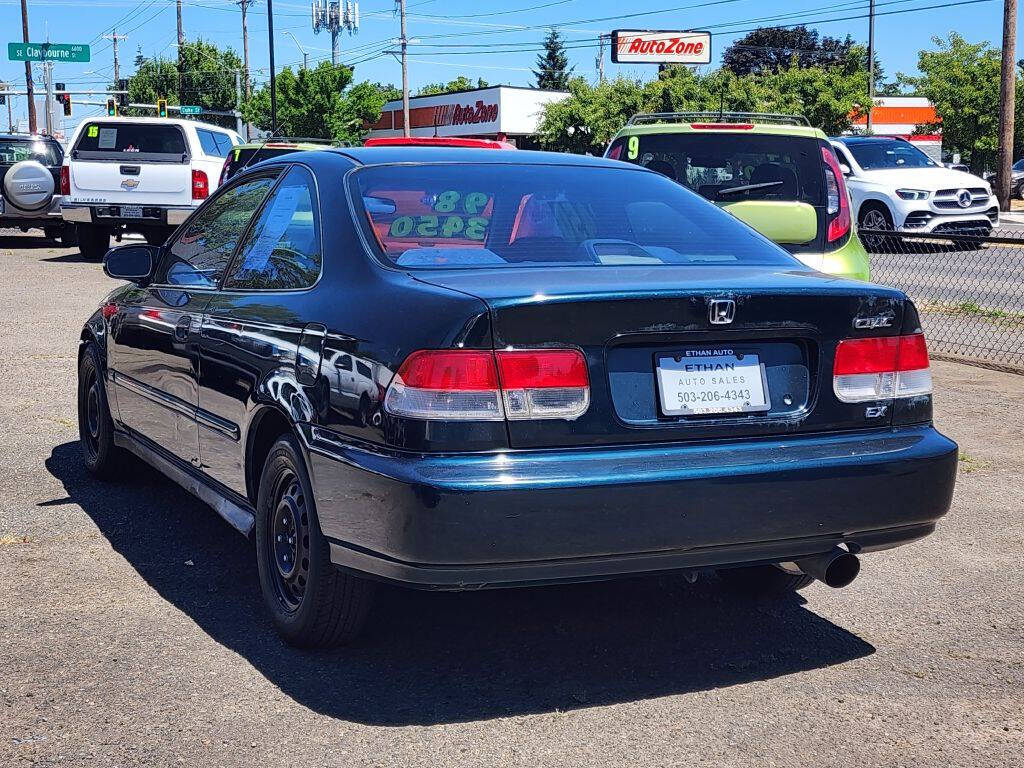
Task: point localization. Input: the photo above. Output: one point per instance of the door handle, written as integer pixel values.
(182, 327)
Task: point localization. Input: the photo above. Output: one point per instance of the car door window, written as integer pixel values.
(282, 249)
(209, 143)
(223, 143)
(200, 254)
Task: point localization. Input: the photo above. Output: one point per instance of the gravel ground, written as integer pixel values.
(131, 631)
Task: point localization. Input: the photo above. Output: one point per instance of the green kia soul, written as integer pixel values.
(774, 172)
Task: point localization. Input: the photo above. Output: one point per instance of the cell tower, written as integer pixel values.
(335, 16)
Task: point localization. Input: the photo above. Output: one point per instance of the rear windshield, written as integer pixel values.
(15, 150)
(132, 139)
(241, 158)
(727, 167)
(490, 215)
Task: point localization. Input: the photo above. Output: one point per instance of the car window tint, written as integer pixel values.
(875, 154)
(223, 143)
(760, 166)
(436, 216)
(200, 254)
(208, 142)
(134, 138)
(363, 369)
(282, 250)
(15, 150)
(343, 362)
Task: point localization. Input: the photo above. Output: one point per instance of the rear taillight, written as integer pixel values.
(224, 171)
(837, 202)
(479, 385)
(65, 180)
(200, 185)
(881, 368)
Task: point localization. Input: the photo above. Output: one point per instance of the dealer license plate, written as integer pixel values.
(131, 211)
(720, 380)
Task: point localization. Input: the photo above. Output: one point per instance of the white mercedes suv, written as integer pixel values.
(896, 186)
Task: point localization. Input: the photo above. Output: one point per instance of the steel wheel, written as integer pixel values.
(288, 541)
(91, 414)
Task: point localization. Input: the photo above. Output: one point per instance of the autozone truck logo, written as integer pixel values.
(456, 114)
(660, 47)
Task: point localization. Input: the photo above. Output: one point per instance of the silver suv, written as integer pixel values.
(30, 184)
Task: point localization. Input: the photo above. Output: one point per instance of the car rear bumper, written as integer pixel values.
(153, 215)
(13, 216)
(523, 517)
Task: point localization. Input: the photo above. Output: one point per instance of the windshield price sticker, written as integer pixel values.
(708, 381)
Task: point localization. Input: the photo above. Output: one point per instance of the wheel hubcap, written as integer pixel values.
(288, 541)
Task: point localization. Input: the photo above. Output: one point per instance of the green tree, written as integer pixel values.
(585, 122)
(461, 83)
(207, 79)
(962, 80)
(553, 70)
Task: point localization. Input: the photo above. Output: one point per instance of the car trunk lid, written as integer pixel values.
(632, 321)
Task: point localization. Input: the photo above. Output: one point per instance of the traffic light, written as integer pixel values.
(64, 98)
(111, 107)
(161, 107)
(122, 98)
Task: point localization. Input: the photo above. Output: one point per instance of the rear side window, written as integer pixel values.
(132, 139)
(282, 249)
(200, 254)
(492, 215)
(731, 166)
(15, 150)
(214, 143)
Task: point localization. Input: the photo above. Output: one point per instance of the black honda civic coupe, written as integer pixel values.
(461, 368)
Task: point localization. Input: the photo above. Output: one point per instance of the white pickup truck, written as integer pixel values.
(145, 175)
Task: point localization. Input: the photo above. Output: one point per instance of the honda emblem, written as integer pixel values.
(721, 311)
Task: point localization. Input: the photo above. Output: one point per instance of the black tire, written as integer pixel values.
(876, 216)
(312, 603)
(93, 241)
(363, 416)
(101, 457)
(52, 233)
(69, 236)
(763, 580)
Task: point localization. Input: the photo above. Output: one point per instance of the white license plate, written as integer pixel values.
(131, 211)
(702, 381)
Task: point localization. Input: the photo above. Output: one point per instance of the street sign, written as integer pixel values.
(48, 52)
(185, 109)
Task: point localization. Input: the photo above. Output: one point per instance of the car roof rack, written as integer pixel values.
(645, 118)
(303, 139)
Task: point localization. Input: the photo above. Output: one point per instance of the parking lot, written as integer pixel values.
(132, 633)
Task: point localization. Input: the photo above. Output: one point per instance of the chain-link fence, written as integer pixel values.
(968, 287)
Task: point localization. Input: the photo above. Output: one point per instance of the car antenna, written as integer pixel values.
(261, 147)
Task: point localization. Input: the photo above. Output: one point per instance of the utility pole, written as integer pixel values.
(245, 45)
(405, 71)
(1007, 94)
(115, 39)
(238, 104)
(29, 86)
(273, 84)
(181, 52)
(600, 58)
(871, 61)
(181, 29)
(48, 83)
(303, 51)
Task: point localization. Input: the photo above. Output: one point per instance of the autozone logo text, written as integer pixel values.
(673, 46)
(456, 114)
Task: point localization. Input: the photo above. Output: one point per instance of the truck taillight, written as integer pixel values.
(480, 385)
(881, 368)
(200, 185)
(65, 180)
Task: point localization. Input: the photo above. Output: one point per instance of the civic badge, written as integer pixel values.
(721, 311)
(129, 184)
(964, 198)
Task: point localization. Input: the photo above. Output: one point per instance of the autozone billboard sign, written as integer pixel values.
(458, 114)
(635, 46)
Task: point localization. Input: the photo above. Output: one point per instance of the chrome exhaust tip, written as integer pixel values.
(837, 568)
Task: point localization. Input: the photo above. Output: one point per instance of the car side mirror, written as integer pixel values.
(845, 169)
(131, 262)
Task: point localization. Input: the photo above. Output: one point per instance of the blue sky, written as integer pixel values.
(505, 33)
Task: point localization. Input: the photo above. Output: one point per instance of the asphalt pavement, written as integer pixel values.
(131, 630)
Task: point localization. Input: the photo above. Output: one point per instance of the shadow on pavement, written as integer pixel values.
(430, 658)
